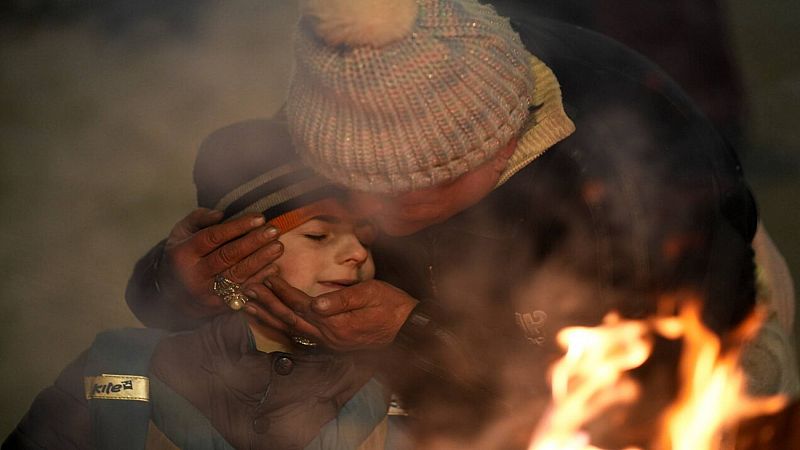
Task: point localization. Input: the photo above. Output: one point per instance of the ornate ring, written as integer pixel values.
(235, 301)
(302, 341)
(230, 293)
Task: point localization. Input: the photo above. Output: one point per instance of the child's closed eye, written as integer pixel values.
(315, 236)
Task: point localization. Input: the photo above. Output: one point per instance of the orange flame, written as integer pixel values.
(591, 377)
(712, 394)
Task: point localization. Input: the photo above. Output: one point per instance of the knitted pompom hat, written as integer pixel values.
(399, 95)
(250, 166)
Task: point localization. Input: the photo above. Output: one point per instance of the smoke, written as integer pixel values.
(102, 111)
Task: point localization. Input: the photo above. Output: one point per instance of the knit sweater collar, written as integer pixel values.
(547, 125)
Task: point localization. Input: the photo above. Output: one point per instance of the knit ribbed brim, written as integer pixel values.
(418, 112)
(250, 166)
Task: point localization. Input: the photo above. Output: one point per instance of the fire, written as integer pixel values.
(712, 395)
(591, 378)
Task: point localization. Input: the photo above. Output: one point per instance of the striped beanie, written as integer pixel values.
(400, 95)
(250, 166)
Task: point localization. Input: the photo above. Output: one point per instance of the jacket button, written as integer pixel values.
(283, 365)
(261, 425)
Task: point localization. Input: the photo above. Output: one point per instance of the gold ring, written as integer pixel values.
(230, 293)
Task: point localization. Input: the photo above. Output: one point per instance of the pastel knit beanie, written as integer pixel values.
(250, 166)
(399, 95)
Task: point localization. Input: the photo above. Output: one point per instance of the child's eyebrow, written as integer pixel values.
(327, 219)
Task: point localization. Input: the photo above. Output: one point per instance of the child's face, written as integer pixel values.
(327, 253)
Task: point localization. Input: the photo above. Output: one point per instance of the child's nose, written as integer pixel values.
(354, 251)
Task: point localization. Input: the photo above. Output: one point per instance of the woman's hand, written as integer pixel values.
(199, 248)
(362, 316)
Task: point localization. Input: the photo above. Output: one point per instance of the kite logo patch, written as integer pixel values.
(117, 387)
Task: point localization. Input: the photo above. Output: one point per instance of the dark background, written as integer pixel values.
(103, 104)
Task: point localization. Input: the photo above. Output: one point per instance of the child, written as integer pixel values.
(232, 383)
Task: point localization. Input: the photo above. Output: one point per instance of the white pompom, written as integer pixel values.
(361, 22)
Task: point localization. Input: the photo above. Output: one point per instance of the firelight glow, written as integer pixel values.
(591, 378)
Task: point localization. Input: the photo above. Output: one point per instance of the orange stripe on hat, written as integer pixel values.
(297, 217)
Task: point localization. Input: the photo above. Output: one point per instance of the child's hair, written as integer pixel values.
(251, 166)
